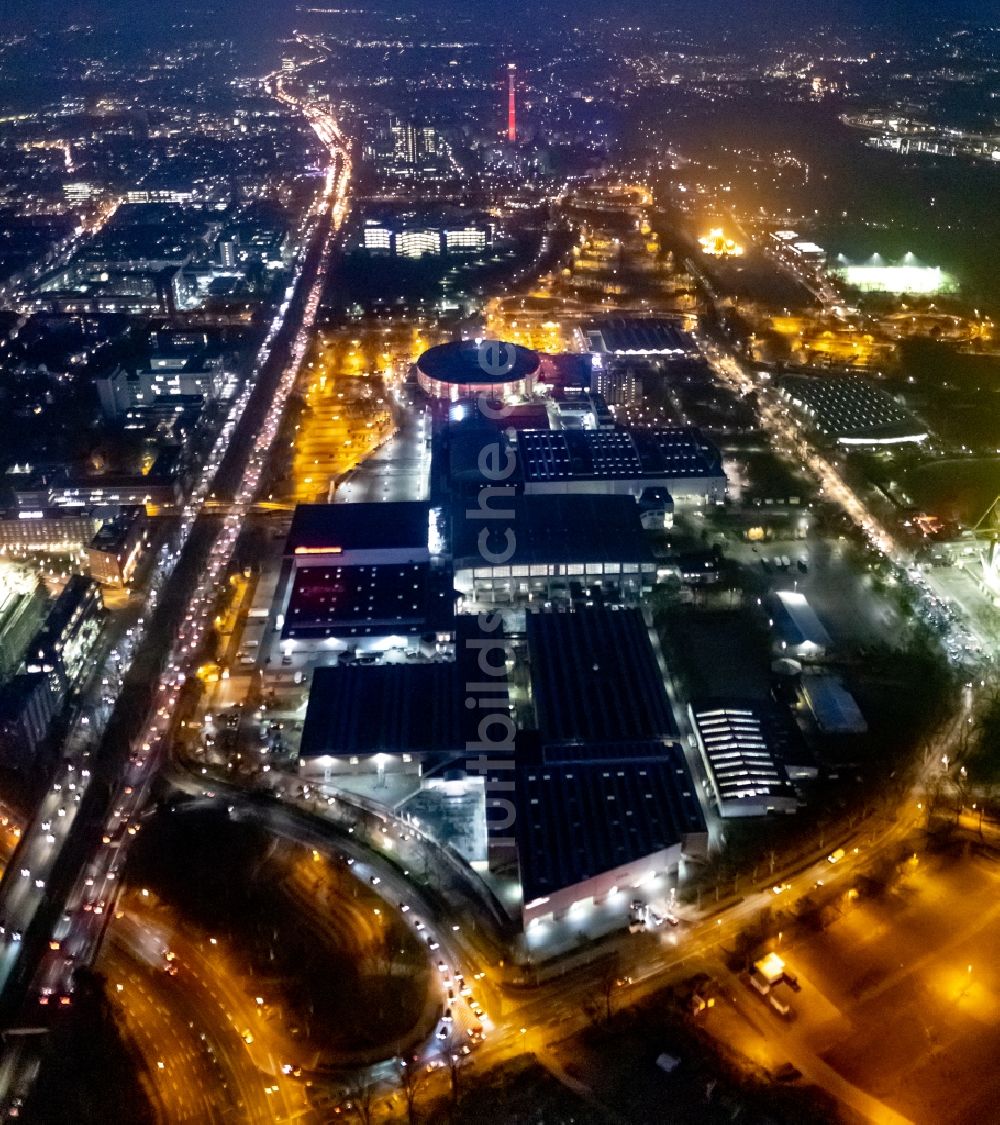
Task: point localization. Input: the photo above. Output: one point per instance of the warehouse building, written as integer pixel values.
(833, 707)
(622, 461)
(750, 750)
(798, 631)
(556, 549)
(605, 800)
(363, 578)
(598, 459)
(851, 411)
(638, 336)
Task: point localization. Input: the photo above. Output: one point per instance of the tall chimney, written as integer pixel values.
(511, 103)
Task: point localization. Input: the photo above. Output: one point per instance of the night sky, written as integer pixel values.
(149, 18)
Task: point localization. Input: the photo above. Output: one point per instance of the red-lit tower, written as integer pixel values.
(511, 102)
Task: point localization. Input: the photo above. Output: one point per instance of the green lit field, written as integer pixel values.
(908, 276)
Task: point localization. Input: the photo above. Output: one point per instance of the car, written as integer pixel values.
(836, 856)
(788, 1073)
(375, 880)
(442, 967)
(432, 945)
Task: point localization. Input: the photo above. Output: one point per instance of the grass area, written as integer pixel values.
(617, 1061)
(959, 490)
(898, 716)
(519, 1092)
(353, 980)
(941, 364)
(982, 757)
(724, 652)
(772, 477)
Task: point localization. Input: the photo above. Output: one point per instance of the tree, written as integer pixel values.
(361, 1094)
(608, 982)
(454, 1058)
(412, 1077)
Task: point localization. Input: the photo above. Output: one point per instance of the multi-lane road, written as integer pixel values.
(87, 862)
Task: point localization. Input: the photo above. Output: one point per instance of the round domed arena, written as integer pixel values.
(464, 368)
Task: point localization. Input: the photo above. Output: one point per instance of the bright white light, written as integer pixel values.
(874, 278)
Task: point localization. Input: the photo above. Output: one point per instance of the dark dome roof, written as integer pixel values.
(465, 361)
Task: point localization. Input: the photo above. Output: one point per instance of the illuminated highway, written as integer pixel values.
(21, 896)
(513, 1022)
(207, 1044)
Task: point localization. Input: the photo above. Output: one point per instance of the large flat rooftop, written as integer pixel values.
(606, 454)
(578, 821)
(356, 711)
(595, 679)
(336, 528)
(552, 529)
(344, 601)
(638, 336)
(852, 410)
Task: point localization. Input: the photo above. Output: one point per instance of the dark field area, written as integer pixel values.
(617, 1061)
(351, 979)
(88, 1076)
(955, 490)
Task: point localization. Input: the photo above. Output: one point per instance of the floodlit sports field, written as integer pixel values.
(908, 276)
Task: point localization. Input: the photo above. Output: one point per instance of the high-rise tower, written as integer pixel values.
(511, 102)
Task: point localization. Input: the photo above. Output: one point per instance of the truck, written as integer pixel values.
(780, 1006)
(760, 983)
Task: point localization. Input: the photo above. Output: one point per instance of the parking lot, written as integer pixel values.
(842, 594)
(900, 992)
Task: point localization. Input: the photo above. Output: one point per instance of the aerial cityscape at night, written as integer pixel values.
(499, 563)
